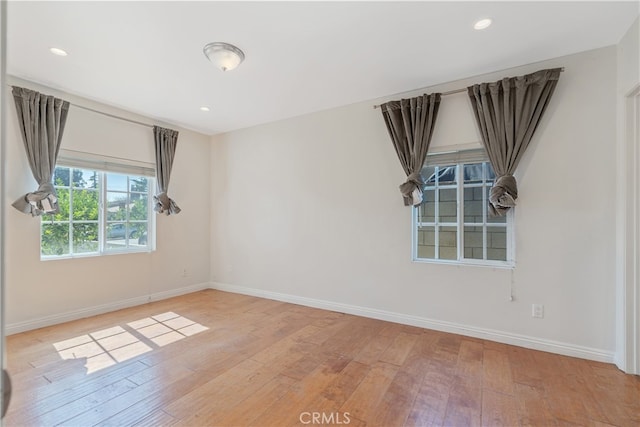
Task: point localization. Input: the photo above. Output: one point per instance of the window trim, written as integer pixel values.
(509, 225)
(102, 220)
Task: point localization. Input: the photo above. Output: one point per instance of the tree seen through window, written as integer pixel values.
(122, 218)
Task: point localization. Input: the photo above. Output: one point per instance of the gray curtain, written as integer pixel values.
(507, 113)
(410, 124)
(42, 119)
(165, 142)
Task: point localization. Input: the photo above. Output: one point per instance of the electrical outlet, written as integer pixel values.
(184, 272)
(537, 311)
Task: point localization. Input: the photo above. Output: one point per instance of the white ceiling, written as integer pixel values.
(301, 57)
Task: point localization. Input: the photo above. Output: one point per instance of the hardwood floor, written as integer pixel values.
(219, 359)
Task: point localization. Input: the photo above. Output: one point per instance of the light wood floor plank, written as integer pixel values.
(332, 398)
(158, 418)
(395, 406)
(364, 401)
(532, 406)
(464, 406)
(86, 403)
(430, 405)
(252, 361)
(206, 404)
(244, 411)
(496, 371)
(397, 352)
(499, 409)
(287, 409)
(31, 404)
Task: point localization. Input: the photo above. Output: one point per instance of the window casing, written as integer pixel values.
(453, 224)
(100, 213)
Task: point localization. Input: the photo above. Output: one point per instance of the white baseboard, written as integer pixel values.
(438, 325)
(422, 322)
(14, 328)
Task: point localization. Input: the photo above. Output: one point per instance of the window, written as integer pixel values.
(100, 212)
(453, 225)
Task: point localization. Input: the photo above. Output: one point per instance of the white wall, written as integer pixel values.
(628, 196)
(41, 292)
(308, 209)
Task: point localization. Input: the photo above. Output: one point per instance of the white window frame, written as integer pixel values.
(104, 167)
(104, 222)
(460, 224)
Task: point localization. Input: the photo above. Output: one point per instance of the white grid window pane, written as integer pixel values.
(453, 224)
(100, 212)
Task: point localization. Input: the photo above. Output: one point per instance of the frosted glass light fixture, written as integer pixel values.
(482, 24)
(58, 51)
(224, 55)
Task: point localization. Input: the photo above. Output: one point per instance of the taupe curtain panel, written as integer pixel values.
(410, 124)
(165, 142)
(507, 113)
(42, 119)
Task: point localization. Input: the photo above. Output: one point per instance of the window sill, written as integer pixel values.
(505, 265)
(94, 254)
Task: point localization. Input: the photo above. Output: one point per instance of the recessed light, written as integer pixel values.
(482, 24)
(205, 109)
(57, 51)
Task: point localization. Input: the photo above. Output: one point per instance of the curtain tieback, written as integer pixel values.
(42, 201)
(47, 187)
(411, 189)
(162, 199)
(503, 195)
(164, 204)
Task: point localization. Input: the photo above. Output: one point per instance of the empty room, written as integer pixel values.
(359, 213)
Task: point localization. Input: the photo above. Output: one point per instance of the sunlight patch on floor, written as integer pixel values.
(110, 346)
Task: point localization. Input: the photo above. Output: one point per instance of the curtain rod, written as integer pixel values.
(113, 116)
(451, 92)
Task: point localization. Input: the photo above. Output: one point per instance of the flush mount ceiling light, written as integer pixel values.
(204, 108)
(482, 24)
(57, 51)
(224, 55)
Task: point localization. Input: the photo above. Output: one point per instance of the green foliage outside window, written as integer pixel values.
(79, 215)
